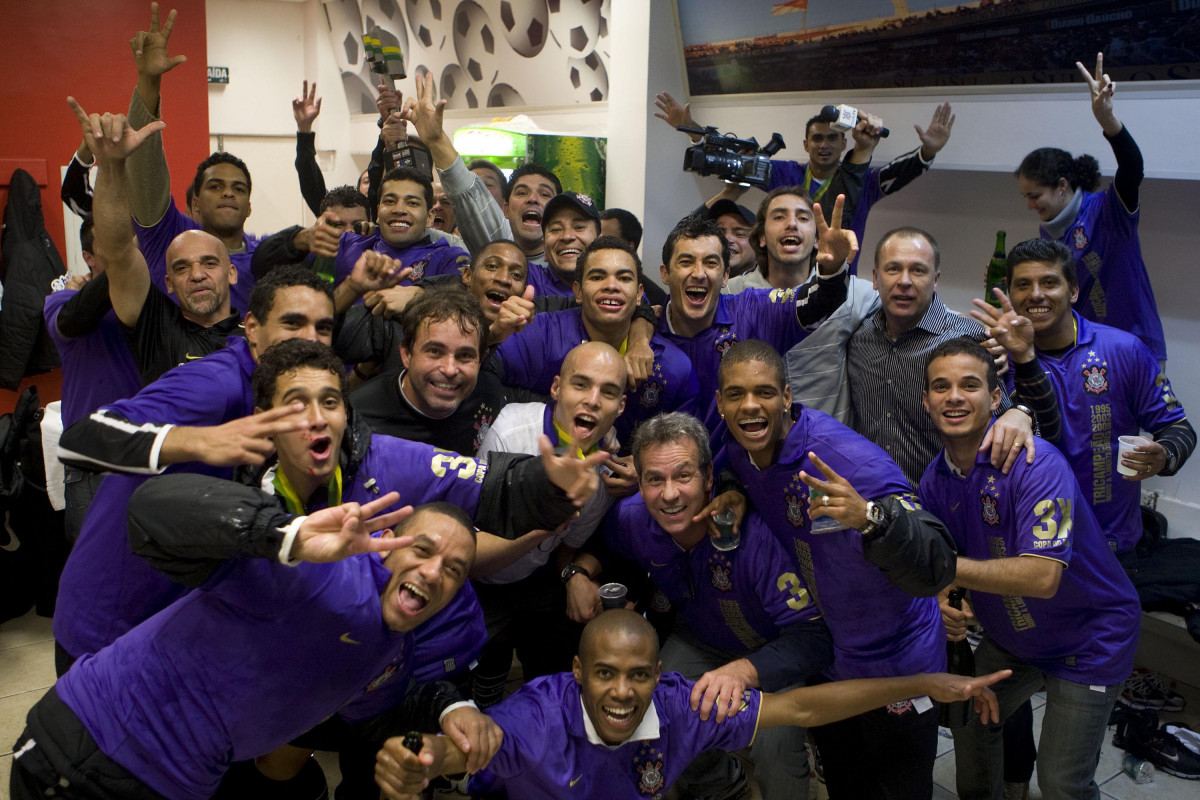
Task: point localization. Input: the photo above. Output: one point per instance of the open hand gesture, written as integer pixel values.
(150, 47)
(575, 476)
(934, 138)
(332, 534)
(1102, 90)
(109, 136)
(835, 245)
(672, 113)
(306, 108)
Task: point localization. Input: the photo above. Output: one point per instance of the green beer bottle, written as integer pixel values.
(997, 272)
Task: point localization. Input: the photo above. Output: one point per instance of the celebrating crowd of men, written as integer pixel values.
(351, 469)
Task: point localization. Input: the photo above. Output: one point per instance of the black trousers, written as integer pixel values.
(884, 754)
(56, 757)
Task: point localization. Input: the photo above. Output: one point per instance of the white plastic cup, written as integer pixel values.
(1125, 444)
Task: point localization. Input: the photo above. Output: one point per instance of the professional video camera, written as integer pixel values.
(736, 160)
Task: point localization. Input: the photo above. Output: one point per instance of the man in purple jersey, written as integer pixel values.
(97, 365)
(608, 282)
(744, 618)
(262, 631)
(195, 418)
(404, 200)
(1072, 632)
(220, 200)
(617, 727)
(1108, 384)
(872, 565)
(704, 323)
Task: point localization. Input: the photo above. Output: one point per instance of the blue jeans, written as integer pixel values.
(1072, 732)
(778, 754)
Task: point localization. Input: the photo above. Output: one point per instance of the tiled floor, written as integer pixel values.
(27, 670)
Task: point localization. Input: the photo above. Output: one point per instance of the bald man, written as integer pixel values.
(537, 603)
(616, 727)
(198, 270)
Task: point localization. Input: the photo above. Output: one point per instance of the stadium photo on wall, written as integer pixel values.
(810, 45)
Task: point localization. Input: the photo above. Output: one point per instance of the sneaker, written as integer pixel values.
(1177, 751)
(1135, 728)
(1143, 689)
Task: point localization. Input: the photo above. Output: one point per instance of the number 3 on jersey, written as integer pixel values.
(1054, 520)
(444, 463)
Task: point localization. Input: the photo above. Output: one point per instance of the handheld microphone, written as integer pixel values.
(844, 118)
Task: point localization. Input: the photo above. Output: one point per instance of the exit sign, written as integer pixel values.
(218, 74)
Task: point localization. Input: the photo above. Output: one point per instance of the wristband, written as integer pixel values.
(289, 532)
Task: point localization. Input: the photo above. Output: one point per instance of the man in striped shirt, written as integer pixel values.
(887, 353)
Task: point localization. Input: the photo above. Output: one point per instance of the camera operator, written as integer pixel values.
(827, 173)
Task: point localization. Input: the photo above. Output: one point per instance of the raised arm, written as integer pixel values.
(480, 218)
(674, 114)
(1130, 168)
(150, 182)
(77, 184)
(306, 108)
(111, 139)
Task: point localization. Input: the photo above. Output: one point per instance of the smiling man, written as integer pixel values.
(616, 726)
(527, 603)
(704, 323)
(439, 396)
(405, 197)
(1108, 385)
(1072, 631)
(607, 284)
(570, 222)
(744, 619)
(887, 352)
(198, 272)
(107, 723)
(873, 572)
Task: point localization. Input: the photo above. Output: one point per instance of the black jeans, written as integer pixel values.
(56, 748)
(885, 754)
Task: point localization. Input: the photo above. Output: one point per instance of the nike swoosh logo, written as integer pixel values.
(577, 779)
(190, 357)
(654, 563)
(956, 505)
(345, 637)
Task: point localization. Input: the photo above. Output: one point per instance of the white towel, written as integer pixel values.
(56, 473)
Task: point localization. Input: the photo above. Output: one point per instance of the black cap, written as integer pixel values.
(580, 202)
(723, 207)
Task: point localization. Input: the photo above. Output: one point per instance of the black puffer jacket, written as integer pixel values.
(29, 264)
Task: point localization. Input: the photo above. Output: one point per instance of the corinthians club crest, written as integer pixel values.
(1095, 379)
(991, 515)
(720, 568)
(649, 765)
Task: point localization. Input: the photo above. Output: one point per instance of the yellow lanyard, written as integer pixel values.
(808, 179)
(565, 440)
(291, 498)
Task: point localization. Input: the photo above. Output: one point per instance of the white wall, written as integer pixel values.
(270, 46)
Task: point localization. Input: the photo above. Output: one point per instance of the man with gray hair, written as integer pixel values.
(744, 618)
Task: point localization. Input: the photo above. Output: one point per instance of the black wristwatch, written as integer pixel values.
(571, 570)
(878, 520)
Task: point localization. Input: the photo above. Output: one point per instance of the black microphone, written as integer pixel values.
(844, 118)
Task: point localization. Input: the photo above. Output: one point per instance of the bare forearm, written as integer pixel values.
(830, 702)
(493, 553)
(1027, 576)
